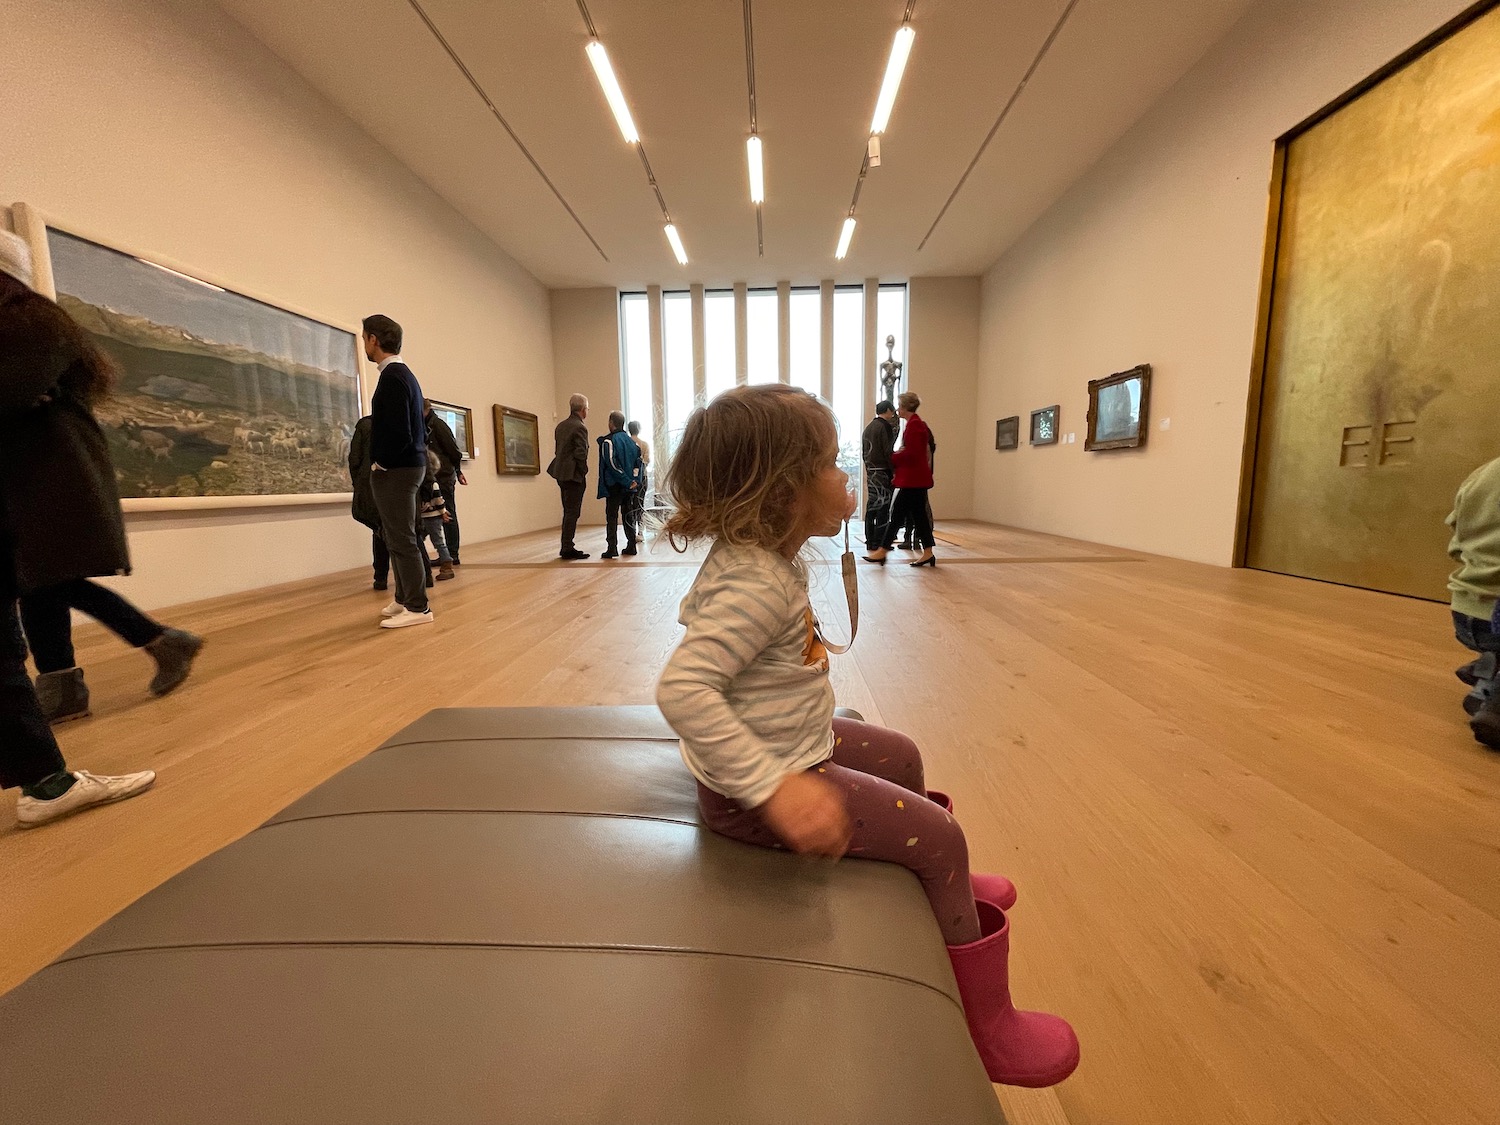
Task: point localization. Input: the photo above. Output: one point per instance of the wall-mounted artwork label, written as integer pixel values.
(1119, 409)
(219, 394)
(1044, 426)
(1008, 432)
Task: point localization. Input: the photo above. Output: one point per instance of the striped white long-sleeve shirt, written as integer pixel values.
(747, 689)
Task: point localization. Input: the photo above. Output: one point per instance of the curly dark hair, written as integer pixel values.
(84, 371)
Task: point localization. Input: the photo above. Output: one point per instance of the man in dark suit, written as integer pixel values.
(398, 463)
(570, 468)
(879, 440)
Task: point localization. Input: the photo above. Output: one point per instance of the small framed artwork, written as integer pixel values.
(460, 420)
(1044, 426)
(517, 442)
(1118, 409)
(1008, 432)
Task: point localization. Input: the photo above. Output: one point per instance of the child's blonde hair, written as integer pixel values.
(744, 463)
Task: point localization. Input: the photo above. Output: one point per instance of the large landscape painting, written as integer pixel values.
(219, 394)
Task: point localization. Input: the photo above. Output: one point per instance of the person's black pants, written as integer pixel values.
(572, 505)
(49, 624)
(877, 506)
(380, 558)
(395, 492)
(28, 752)
(911, 509)
(619, 502)
(450, 529)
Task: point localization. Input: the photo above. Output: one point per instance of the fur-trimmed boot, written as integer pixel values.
(996, 889)
(1017, 1048)
(63, 695)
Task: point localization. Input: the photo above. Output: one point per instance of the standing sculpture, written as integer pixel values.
(890, 370)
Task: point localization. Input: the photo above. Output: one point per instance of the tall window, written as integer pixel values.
(890, 320)
(807, 340)
(635, 360)
(763, 336)
(851, 366)
(848, 371)
(718, 341)
(677, 344)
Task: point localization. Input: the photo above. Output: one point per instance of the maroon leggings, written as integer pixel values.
(880, 774)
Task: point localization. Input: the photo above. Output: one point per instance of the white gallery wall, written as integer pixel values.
(165, 128)
(1155, 257)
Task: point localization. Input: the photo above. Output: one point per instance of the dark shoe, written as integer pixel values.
(1475, 670)
(630, 550)
(445, 572)
(63, 695)
(877, 561)
(1486, 724)
(173, 652)
(611, 554)
(930, 560)
(379, 586)
(573, 556)
(455, 560)
(906, 545)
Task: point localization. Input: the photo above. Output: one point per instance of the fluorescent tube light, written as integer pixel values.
(757, 171)
(844, 236)
(612, 92)
(676, 240)
(185, 277)
(900, 49)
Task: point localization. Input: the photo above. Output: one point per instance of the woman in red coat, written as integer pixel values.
(911, 466)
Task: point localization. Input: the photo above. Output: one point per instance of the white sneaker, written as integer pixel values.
(405, 618)
(87, 790)
(392, 609)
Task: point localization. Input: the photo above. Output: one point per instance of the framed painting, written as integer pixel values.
(460, 420)
(518, 444)
(1119, 409)
(223, 399)
(1044, 426)
(1008, 432)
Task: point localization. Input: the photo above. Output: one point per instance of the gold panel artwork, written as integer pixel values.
(1381, 387)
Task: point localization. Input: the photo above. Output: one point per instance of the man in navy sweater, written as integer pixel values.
(398, 462)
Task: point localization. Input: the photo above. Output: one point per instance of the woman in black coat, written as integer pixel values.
(60, 522)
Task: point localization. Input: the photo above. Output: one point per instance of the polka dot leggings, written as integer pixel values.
(880, 774)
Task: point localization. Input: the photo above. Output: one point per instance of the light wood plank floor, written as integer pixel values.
(1258, 851)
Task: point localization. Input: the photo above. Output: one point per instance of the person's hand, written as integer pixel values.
(447, 517)
(462, 479)
(808, 814)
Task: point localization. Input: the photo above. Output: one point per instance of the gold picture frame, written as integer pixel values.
(518, 442)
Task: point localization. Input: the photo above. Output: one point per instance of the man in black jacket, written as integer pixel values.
(450, 472)
(570, 468)
(879, 440)
(398, 462)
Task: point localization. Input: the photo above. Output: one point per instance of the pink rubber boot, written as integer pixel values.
(1017, 1048)
(995, 889)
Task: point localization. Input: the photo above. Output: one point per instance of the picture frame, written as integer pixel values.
(1119, 410)
(460, 420)
(518, 442)
(227, 398)
(1044, 425)
(1008, 432)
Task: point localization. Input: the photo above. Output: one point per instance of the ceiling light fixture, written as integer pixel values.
(894, 69)
(757, 171)
(844, 236)
(599, 59)
(676, 240)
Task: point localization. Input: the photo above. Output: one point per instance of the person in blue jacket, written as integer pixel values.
(619, 480)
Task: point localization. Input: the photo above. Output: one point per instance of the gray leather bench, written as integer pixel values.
(502, 916)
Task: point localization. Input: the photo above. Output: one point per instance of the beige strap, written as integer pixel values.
(851, 595)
